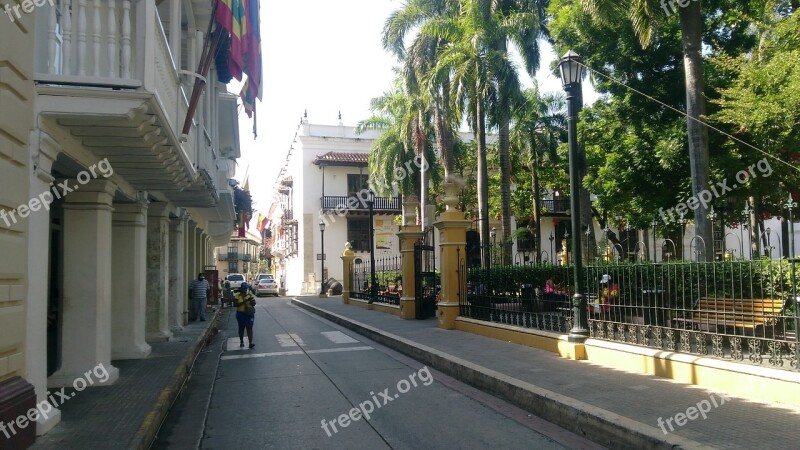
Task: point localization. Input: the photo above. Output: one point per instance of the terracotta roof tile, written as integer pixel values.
(342, 158)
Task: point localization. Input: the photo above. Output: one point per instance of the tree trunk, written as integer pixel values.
(537, 214)
(691, 33)
(505, 187)
(483, 183)
(444, 137)
(419, 149)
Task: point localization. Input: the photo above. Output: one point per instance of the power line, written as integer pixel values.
(700, 121)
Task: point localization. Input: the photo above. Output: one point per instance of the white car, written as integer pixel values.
(266, 285)
(235, 279)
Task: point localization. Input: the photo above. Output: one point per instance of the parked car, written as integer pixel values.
(266, 285)
(235, 279)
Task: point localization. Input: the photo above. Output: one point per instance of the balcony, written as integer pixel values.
(106, 77)
(353, 203)
(554, 207)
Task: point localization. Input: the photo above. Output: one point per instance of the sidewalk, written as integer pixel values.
(614, 408)
(127, 414)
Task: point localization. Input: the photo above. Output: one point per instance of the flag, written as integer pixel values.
(231, 16)
(241, 225)
(262, 223)
(251, 59)
(251, 48)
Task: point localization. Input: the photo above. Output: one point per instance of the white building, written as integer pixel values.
(111, 209)
(325, 172)
(241, 255)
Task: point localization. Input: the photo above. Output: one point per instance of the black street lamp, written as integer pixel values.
(572, 70)
(552, 254)
(712, 216)
(373, 289)
(790, 205)
(493, 248)
(653, 224)
(322, 258)
(745, 220)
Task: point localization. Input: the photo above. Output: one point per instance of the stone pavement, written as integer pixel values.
(127, 414)
(615, 408)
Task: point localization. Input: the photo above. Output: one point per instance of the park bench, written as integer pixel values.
(711, 314)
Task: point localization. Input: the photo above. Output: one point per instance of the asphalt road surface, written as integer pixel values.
(309, 384)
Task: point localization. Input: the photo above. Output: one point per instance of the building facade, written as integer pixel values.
(242, 255)
(324, 180)
(108, 208)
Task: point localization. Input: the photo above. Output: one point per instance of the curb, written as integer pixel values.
(152, 421)
(599, 425)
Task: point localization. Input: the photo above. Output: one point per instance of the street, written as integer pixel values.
(308, 384)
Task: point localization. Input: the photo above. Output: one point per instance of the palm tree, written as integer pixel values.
(403, 138)
(539, 127)
(419, 58)
(520, 23)
(474, 68)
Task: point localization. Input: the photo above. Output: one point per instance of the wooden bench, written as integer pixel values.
(711, 314)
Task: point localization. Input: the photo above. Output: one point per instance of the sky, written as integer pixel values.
(324, 57)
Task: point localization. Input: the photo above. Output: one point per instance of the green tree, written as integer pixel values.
(762, 107)
(539, 127)
(404, 137)
(644, 16)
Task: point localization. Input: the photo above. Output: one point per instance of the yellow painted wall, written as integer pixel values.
(16, 121)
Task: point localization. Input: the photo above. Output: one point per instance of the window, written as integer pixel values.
(358, 233)
(356, 182)
(525, 243)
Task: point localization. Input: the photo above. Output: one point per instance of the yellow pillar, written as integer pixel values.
(409, 235)
(452, 228)
(347, 275)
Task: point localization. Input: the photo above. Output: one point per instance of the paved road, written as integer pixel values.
(308, 385)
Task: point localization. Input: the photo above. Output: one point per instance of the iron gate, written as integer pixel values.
(426, 281)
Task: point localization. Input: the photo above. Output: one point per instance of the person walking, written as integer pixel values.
(245, 304)
(199, 293)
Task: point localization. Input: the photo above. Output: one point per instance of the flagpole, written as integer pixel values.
(210, 43)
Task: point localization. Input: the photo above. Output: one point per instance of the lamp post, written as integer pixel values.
(653, 224)
(588, 232)
(712, 216)
(373, 288)
(745, 220)
(492, 248)
(790, 205)
(552, 238)
(322, 259)
(683, 222)
(572, 69)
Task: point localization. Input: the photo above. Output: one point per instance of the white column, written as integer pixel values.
(129, 281)
(175, 32)
(157, 272)
(86, 315)
(178, 289)
(191, 257)
(38, 263)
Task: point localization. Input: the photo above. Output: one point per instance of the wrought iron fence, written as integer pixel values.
(388, 285)
(531, 296)
(737, 310)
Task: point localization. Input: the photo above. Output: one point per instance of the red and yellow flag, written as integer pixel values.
(251, 44)
(231, 16)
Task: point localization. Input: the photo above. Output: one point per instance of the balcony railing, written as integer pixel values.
(554, 206)
(354, 203)
(117, 44)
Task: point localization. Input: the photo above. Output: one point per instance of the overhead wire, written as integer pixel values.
(689, 117)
